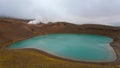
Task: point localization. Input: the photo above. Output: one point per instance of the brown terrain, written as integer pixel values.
(13, 30)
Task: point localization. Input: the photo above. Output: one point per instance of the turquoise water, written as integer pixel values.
(80, 47)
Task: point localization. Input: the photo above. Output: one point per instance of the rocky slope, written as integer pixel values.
(12, 30)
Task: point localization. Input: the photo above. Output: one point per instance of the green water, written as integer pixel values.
(80, 47)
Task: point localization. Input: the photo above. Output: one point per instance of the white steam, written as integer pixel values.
(36, 21)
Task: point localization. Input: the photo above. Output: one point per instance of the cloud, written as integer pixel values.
(75, 11)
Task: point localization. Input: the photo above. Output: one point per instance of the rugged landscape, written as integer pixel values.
(13, 30)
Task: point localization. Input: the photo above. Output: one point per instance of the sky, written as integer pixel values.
(75, 11)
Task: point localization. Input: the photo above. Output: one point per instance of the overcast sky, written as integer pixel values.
(75, 11)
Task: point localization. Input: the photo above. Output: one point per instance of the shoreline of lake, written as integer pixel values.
(111, 44)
